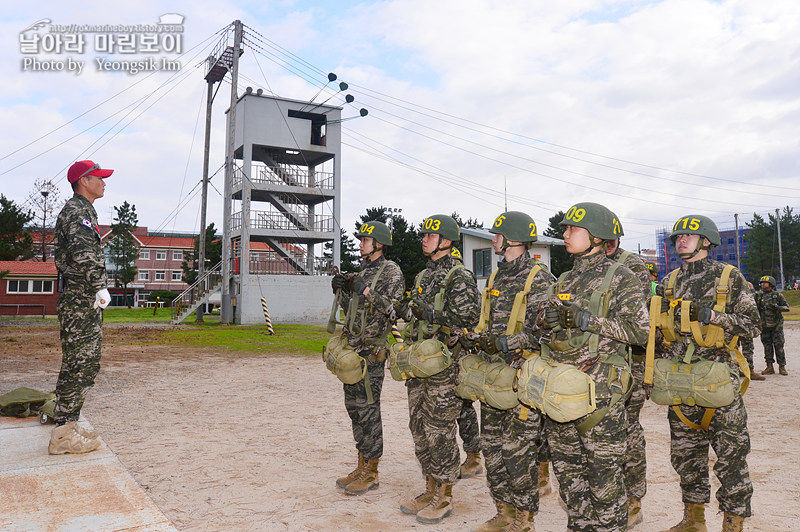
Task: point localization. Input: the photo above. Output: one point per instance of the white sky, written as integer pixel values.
(655, 109)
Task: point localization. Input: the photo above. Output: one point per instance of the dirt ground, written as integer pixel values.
(227, 441)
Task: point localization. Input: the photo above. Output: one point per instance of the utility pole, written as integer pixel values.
(780, 247)
(738, 257)
(201, 251)
(44, 226)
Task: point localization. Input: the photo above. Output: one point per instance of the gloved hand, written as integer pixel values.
(551, 318)
(339, 282)
(468, 341)
(659, 291)
(357, 286)
(102, 298)
(493, 343)
(573, 316)
(664, 305)
(698, 312)
(421, 310)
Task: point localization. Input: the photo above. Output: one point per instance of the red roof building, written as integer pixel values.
(28, 289)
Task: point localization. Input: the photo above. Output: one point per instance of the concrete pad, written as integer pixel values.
(92, 491)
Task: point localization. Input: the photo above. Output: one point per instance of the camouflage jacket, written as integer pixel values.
(771, 306)
(697, 281)
(374, 309)
(78, 249)
(462, 301)
(626, 322)
(509, 281)
(635, 264)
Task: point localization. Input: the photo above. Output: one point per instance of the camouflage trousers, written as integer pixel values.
(635, 458)
(773, 340)
(589, 470)
(510, 449)
(366, 418)
(433, 410)
(468, 427)
(728, 436)
(746, 345)
(81, 336)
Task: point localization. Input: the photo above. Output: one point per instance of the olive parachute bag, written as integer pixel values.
(702, 383)
(418, 360)
(23, 402)
(489, 382)
(348, 366)
(562, 391)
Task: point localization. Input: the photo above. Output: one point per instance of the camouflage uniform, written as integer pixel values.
(746, 344)
(433, 406)
(80, 259)
(510, 444)
(468, 427)
(371, 344)
(635, 458)
(590, 468)
(727, 434)
(771, 306)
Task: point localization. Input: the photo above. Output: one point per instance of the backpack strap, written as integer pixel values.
(355, 301)
(516, 320)
(486, 309)
(430, 329)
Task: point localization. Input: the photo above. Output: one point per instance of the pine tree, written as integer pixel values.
(15, 242)
(122, 248)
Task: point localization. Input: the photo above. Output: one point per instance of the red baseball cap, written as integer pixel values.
(84, 168)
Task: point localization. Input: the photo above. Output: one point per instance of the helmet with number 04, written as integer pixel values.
(595, 218)
(515, 226)
(377, 230)
(443, 225)
(696, 224)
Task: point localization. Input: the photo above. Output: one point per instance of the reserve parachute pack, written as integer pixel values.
(341, 360)
(422, 358)
(682, 381)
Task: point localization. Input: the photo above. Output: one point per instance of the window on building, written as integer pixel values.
(144, 254)
(719, 256)
(731, 256)
(176, 275)
(483, 262)
(142, 296)
(29, 286)
(144, 275)
(177, 254)
(730, 241)
(161, 254)
(161, 275)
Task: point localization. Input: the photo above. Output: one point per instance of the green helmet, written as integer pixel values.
(595, 218)
(515, 226)
(768, 279)
(652, 267)
(696, 224)
(456, 254)
(377, 230)
(443, 225)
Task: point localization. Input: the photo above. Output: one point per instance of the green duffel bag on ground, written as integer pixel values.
(348, 366)
(23, 402)
(702, 383)
(489, 382)
(562, 391)
(418, 360)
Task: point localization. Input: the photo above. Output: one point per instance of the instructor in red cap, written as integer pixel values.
(82, 267)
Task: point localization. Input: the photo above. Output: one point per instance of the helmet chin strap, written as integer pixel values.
(438, 247)
(700, 247)
(371, 253)
(506, 245)
(603, 244)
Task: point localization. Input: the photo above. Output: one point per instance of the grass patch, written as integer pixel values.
(793, 298)
(136, 315)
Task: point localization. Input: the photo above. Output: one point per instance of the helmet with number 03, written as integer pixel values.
(377, 230)
(595, 218)
(768, 279)
(696, 224)
(515, 226)
(443, 225)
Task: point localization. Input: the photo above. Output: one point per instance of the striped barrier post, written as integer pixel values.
(266, 316)
(396, 334)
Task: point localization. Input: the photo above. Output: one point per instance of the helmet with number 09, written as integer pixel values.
(377, 230)
(595, 218)
(443, 225)
(515, 226)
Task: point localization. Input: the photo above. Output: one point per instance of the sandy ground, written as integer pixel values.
(225, 441)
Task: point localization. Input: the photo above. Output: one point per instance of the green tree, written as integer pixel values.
(560, 260)
(15, 242)
(122, 247)
(762, 238)
(470, 222)
(350, 258)
(45, 198)
(191, 259)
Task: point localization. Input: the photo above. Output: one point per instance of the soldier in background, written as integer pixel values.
(771, 306)
(747, 346)
(80, 261)
(367, 300)
(652, 267)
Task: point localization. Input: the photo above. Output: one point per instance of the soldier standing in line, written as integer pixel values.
(771, 306)
(510, 439)
(433, 404)
(367, 300)
(80, 261)
(635, 458)
(603, 311)
(652, 268)
(748, 348)
(693, 236)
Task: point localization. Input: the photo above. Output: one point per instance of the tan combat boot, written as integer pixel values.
(89, 433)
(782, 369)
(66, 439)
(422, 500)
(732, 523)
(523, 522)
(441, 505)
(634, 511)
(544, 479)
(344, 481)
(756, 376)
(471, 466)
(367, 480)
(694, 519)
(769, 370)
(502, 520)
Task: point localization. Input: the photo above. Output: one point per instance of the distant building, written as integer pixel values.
(29, 288)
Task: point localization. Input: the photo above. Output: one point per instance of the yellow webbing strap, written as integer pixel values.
(714, 335)
(738, 357)
(486, 307)
(704, 423)
(650, 353)
(516, 320)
